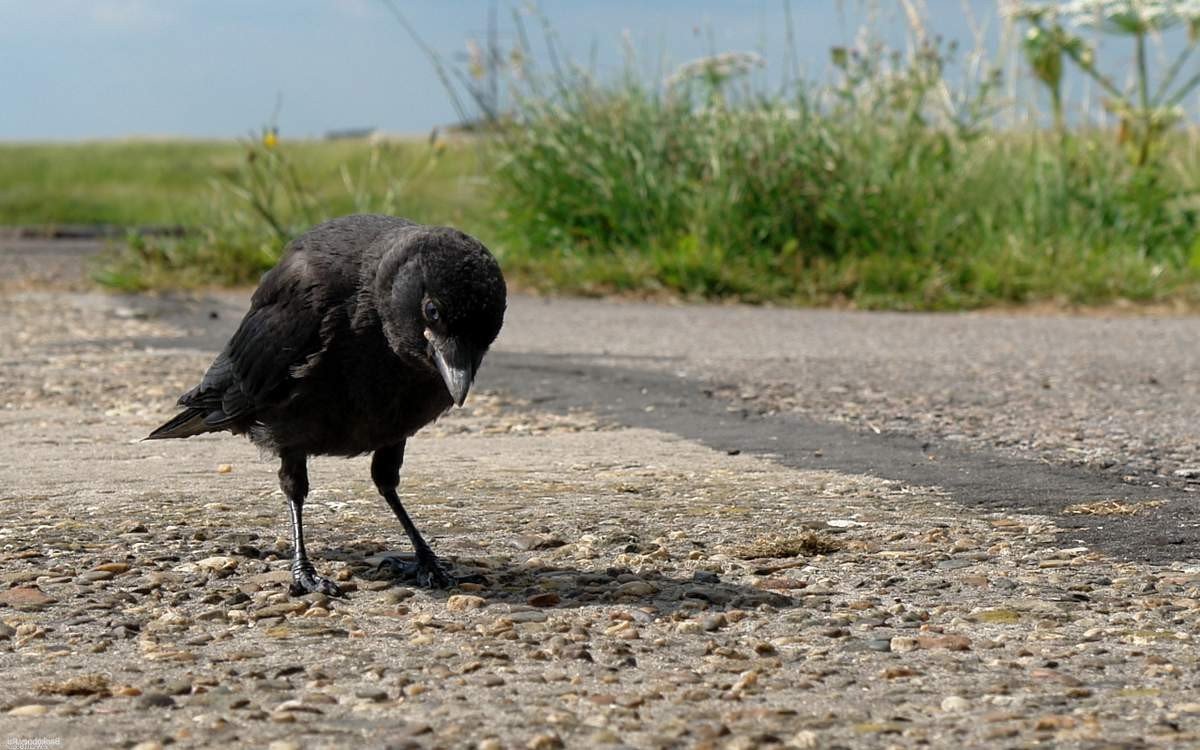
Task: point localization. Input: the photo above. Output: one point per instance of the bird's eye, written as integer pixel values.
(431, 312)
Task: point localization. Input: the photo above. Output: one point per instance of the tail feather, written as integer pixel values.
(185, 424)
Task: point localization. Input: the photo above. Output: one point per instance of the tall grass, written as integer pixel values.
(888, 186)
(259, 195)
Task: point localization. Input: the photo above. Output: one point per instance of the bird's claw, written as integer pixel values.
(306, 581)
(425, 571)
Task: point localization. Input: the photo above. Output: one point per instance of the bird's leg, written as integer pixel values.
(426, 569)
(293, 480)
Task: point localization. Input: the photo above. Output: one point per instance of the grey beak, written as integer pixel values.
(456, 362)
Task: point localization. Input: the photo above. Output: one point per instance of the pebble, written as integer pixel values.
(548, 599)
(710, 623)
(950, 642)
(636, 588)
(545, 742)
(464, 602)
(156, 700)
(530, 542)
(955, 704)
(32, 709)
(219, 563)
(26, 597)
(902, 644)
(527, 616)
(371, 694)
(282, 609)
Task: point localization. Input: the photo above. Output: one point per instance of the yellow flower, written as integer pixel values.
(271, 138)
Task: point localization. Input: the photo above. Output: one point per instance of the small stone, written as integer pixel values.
(998, 616)
(156, 700)
(805, 739)
(713, 622)
(527, 616)
(375, 695)
(395, 596)
(84, 684)
(25, 597)
(955, 704)
(6, 631)
(949, 642)
(282, 609)
(283, 717)
(902, 644)
(224, 468)
(113, 567)
(547, 599)
(636, 588)
(284, 745)
(464, 602)
(745, 681)
(148, 745)
(545, 742)
(219, 563)
(489, 743)
(1055, 722)
(1188, 472)
(32, 709)
(530, 542)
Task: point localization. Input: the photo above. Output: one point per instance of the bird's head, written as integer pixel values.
(443, 299)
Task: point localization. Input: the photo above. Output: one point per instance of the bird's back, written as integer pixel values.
(284, 375)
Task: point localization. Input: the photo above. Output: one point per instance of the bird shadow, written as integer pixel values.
(549, 586)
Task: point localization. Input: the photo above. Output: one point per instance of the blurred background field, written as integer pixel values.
(1056, 160)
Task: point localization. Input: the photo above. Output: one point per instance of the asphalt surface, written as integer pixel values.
(965, 402)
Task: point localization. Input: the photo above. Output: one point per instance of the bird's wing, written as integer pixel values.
(290, 322)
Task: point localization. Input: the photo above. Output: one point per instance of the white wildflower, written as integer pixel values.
(717, 67)
(1112, 16)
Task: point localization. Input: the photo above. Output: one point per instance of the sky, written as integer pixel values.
(77, 69)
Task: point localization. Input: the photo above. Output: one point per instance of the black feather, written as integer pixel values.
(331, 358)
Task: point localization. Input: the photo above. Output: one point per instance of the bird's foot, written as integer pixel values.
(425, 570)
(306, 581)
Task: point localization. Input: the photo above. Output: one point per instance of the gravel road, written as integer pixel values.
(654, 579)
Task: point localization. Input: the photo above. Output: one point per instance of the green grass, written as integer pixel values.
(174, 182)
(623, 192)
(239, 202)
(875, 189)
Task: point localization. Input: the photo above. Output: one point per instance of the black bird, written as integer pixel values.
(368, 329)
